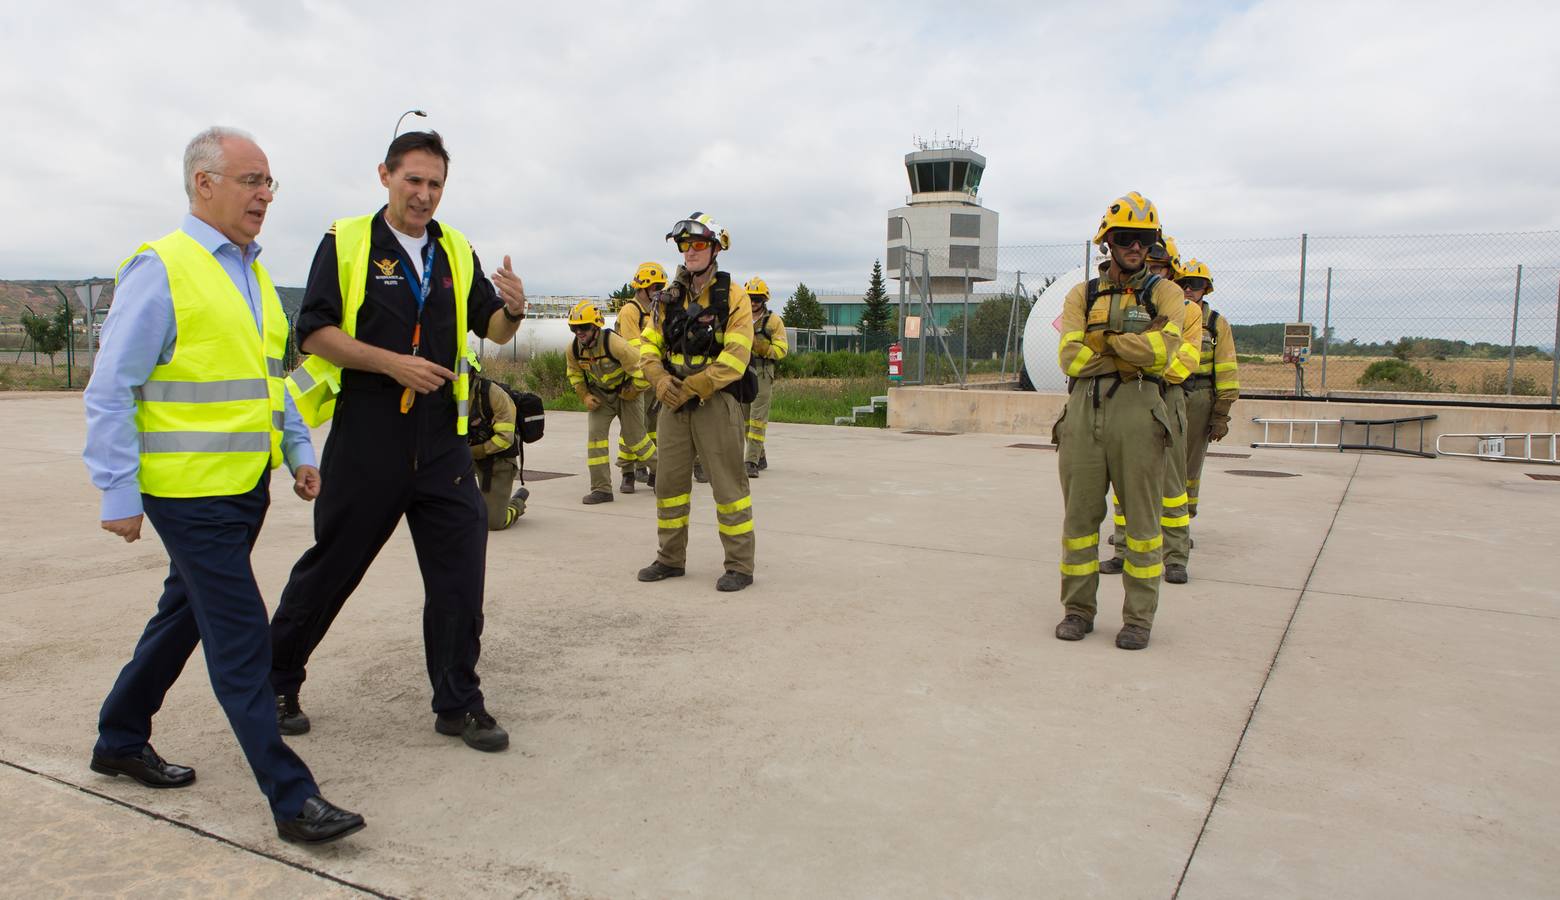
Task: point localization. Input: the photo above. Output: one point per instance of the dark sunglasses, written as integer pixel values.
(1195, 283)
(580, 329)
(1126, 237)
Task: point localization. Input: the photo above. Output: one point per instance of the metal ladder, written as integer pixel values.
(1316, 442)
(1493, 446)
(880, 400)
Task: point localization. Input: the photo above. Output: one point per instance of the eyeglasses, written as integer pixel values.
(1126, 237)
(685, 246)
(251, 182)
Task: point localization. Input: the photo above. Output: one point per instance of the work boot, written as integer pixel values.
(1132, 637)
(658, 570)
(1073, 627)
(289, 718)
(1175, 573)
(752, 469)
(627, 487)
(733, 581)
(478, 729)
(1111, 566)
(595, 497)
(763, 460)
(517, 502)
(650, 480)
(698, 474)
(642, 474)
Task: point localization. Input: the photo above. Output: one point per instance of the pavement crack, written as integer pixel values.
(1266, 677)
(1439, 605)
(243, 848)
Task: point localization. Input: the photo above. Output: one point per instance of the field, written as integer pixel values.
(1461, 375)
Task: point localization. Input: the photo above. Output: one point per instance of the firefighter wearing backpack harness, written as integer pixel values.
(769, 347)
(604, 370)
(495, 446)
(1174, 521)
(696, 351)
(1216, 385)
(1119, 332)
(632, 316)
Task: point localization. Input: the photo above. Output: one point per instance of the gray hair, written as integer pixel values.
(204, 153)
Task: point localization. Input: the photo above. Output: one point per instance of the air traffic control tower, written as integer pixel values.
(944, 215)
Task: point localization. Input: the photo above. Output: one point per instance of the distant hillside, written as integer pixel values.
(16, 296)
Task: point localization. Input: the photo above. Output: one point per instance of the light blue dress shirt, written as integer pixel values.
(138, 336)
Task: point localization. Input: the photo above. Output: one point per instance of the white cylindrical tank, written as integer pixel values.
(1042, 334)
(535, 336)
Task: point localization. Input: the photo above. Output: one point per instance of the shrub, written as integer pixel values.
(1495, 383)
(1399, 375)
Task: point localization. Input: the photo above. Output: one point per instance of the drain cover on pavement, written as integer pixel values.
(1262, 473)
(1229, 455)
(533, 475)
(1537, 477)
(1031, 446)
(937, 433)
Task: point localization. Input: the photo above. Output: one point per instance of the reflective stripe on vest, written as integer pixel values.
(316, 384)
(210, 419)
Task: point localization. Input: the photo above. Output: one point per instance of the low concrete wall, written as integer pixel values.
(1007, 411)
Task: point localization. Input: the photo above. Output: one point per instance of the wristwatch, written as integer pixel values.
(512, 316)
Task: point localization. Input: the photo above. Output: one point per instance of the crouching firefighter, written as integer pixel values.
(1119, 332)
(495, 447)
(697, 344)
(603, 367)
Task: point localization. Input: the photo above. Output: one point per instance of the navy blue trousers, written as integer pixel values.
(210, 598)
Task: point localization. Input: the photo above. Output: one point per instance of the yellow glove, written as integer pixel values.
(669, 391)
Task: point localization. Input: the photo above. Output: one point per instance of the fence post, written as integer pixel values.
(1304, 239)
(1511, 361)
(964, 373)
(1554, 356)
(1326, 322)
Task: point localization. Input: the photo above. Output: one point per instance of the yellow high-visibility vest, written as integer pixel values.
(210, 419)
(316, 384)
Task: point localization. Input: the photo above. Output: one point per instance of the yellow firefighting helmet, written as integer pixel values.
(699, 225)
(649, 275)
(1197, 269)
(1132, 210)
(757, 287)
(1167, 253)
(585, 313)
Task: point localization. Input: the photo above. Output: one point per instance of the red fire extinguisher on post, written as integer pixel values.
(896, 358)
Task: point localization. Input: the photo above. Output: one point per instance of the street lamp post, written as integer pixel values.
(411, 112)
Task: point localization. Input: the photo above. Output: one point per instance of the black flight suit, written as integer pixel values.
(380, 464)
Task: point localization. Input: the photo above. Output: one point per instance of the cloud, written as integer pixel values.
(580, 133)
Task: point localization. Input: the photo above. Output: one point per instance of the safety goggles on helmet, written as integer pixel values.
(1126, 237)
(1195, 283)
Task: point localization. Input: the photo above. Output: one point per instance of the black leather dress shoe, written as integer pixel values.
(320, 822)
(148, 768)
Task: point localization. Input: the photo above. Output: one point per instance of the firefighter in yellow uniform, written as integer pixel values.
(1214, 388)
(1174, 520)
(648, 279)
(769, 347)
(491, 434)
(696, 352)
(1119, 333)
(604, 370)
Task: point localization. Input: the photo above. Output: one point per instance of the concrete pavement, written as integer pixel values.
(1352, 698)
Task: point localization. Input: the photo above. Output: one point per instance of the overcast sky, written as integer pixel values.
(580, 131)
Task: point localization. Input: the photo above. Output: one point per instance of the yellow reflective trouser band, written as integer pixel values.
(738, 508)
(1079, 543)
(735, 506)
(739, 528)
(669, 502)
(1145, 572)
(1137, 546)
(1119, 519)
(1179, 500)
(755, 436)
(1174, 521)
(1088, 568)
(679, 522)
(597, 459)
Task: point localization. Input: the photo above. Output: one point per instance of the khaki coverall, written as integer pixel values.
(1174, 520)
(608, 370)
(1209, 395)
(705, 421)
(496, 475)
(630, 324)
(769, 347)
(1114, 433)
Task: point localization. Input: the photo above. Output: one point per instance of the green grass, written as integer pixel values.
(812, 401)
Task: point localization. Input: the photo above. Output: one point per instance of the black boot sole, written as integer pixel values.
(115, 773)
